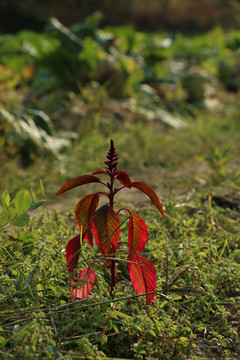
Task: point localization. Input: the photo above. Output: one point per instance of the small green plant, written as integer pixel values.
(217, 160)
(15, 212)
(103, 224)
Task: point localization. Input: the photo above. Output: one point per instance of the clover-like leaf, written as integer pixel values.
(6, 197)
(22, 201)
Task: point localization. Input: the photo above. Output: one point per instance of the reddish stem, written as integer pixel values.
(124, 209)
(123, 250)
(132, 248)
(113, 265)
(100, 261)
(120, 188)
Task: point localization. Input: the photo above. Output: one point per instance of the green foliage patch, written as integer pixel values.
(197, 261)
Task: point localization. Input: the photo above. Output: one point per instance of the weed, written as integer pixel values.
(104, 225)
(217, 160)
(15, 211)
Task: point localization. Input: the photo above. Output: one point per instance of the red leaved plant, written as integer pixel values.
(103, 225)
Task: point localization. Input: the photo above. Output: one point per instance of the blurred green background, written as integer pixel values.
(74, 74)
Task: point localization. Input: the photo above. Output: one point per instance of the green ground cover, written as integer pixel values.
(171, 104)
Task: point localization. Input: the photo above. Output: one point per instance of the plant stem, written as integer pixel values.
(113, 265)
(113, 277)
(111, 192)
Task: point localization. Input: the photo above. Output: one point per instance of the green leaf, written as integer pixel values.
(21, 220)
(8, 214)
(6, 197)
(42, 120)
(28, 281)
(36, 205)
(68, 39)
(121, 314)
(23, 201)
(5, 206)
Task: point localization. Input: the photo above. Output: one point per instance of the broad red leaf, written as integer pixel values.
(150, 193)
(80, 180)
(72, 253)
(89, 237)
(105, 223)
(84, 212)
(99, 172)
(137, 233)
(143, 276)
(123, 178)
(82, 291)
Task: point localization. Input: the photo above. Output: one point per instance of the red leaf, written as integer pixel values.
(84, 212)
(89, 237)
(150, 193)
(99, 172)
(72, 253)
(143, 276)
(123, 177)
(137, 233)
(80, 180)
(105, 223)
(84, 290)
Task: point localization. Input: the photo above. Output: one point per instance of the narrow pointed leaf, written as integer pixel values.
(80, 180)
(150, 193)
(137, 233)
(106, 229)
(84, 212)
(123, 178)
(72, 253)
(143, 276)
(36, 205)
(82, 291)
